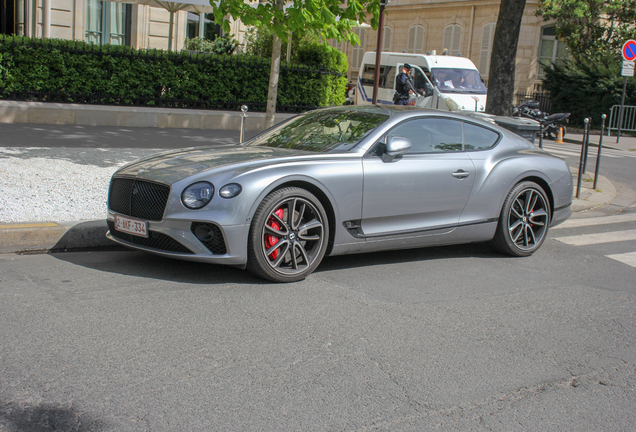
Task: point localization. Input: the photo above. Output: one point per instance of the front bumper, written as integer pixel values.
(174, 238)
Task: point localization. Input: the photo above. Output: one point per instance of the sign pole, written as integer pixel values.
(629, 55)
(378, 52)
(620, 117)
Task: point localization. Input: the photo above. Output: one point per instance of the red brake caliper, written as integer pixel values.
(271, 240)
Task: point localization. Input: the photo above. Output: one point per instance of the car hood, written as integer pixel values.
(173, 166)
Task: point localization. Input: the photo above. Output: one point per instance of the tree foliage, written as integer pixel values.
(587, 88)
(326, 19)
(591, 28)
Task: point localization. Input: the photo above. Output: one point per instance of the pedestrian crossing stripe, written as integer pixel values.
(626, 258)
(576, 151)
(590, 239)
(603, 220)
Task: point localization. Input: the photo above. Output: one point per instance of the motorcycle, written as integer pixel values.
(550, 123)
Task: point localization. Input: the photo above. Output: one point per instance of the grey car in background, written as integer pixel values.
(339, 181)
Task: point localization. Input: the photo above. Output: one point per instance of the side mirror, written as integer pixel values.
(396, 146)
(428, 90)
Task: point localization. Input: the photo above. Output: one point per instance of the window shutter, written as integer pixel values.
(487, 37)
(358, 50)
(448, 37)
(419, 40)
(457, 39)
(386, 42)
(411, 45)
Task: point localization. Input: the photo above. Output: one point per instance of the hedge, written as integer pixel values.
(78, 72)
(587, 89)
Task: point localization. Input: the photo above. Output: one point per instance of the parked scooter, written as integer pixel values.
(551, 123)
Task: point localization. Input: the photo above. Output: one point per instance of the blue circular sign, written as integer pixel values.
(629, 50)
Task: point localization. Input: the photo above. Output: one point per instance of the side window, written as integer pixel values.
(387, 76)
(431, 135)
(478, 138)
(419, 80)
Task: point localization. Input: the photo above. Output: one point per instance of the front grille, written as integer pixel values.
(216, 244)
(155, 240)
(138, 198)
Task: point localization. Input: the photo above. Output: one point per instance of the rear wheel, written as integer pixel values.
(524, 220)
(288, 237)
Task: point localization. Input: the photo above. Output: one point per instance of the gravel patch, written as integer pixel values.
(63, 185)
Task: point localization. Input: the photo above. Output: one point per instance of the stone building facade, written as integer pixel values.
(135, 25)
(459, 27)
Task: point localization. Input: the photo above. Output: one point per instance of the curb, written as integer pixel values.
(23, 238)
(54, 237)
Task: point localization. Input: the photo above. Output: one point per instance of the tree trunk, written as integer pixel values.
(274, 73)
(501, 82)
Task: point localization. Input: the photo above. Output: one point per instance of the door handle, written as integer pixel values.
(460, 174)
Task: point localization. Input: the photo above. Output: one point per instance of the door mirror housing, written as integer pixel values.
(396, 146)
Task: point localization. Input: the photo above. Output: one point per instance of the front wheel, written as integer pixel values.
(288, 237)
(524, 220)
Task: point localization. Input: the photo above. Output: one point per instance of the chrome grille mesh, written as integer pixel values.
(138, 198)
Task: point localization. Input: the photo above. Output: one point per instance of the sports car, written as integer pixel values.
(340, 181)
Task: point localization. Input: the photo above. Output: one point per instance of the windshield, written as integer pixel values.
(321, 131)
(458, 81)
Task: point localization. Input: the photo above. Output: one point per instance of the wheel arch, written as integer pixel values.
(318, 191)
(545, 186)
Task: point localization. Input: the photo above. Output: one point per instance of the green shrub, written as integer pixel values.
(220, 45)
(587, 89)
(74, 71)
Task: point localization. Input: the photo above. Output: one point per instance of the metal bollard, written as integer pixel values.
(598, 156)
(587, 143)
(580, 175)
(242, 132)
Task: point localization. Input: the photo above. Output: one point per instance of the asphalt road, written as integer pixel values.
(450, 338)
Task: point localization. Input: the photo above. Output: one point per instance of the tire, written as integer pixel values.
(282, 248)
(524, 221)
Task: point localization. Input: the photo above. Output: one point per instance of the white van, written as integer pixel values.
(443, 82)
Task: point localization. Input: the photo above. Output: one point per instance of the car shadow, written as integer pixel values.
(130, 262)
(471, 250)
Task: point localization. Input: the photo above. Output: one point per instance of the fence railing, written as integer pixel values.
(629, 119)
(542, 98)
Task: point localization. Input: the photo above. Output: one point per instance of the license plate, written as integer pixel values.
(131, 226)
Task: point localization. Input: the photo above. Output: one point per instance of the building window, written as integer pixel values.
(551, 49)
(386, 39)
(202, 25)
(335, 44)
(416, 40)
(452, 39)
(358, 50)
(487, 36)
(107, 22)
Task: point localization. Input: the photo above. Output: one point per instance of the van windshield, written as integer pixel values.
(458, 81)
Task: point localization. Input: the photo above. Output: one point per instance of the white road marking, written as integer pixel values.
(590, 239)
(626, 258)
(575, 223)
(572, 153)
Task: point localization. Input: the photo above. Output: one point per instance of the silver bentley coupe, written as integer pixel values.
(340, 181)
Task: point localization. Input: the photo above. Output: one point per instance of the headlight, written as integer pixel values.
(230, 190)
(197, 195)
(452, 105)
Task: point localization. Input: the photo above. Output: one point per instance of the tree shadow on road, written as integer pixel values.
(46, 417)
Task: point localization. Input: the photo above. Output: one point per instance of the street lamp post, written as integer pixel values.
(378, 52)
